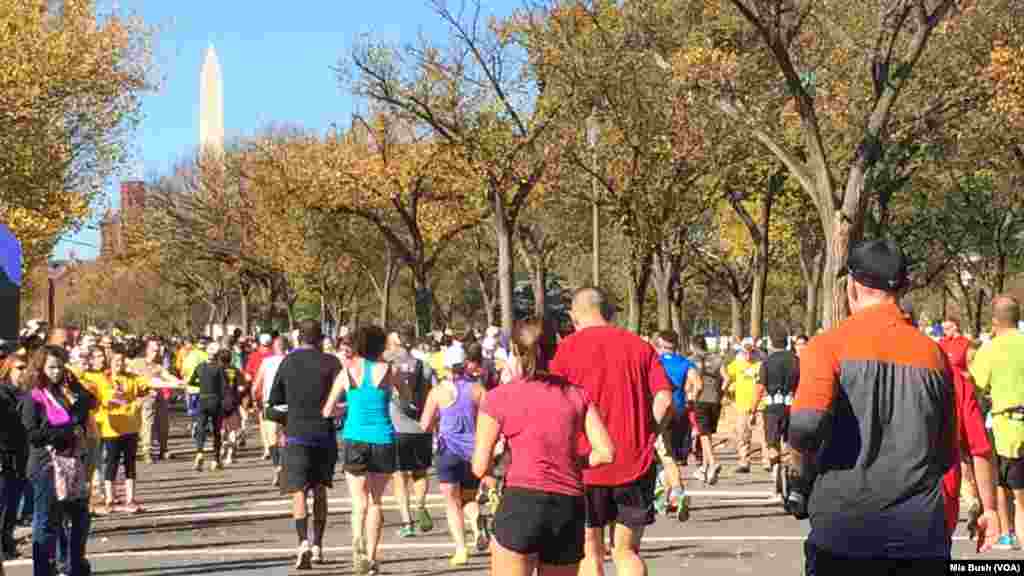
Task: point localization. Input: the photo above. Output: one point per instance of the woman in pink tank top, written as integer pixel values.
(552, 432)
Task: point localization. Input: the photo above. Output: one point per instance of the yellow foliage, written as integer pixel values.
(69, 92)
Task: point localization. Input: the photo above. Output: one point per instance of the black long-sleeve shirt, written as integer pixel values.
(39, 431)
(13, 440)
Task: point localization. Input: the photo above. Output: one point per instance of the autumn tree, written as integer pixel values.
(477, 97)
(861, 59)
(71, 83)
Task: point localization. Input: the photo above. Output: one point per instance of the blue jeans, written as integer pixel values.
(11, 487)
(58, 528)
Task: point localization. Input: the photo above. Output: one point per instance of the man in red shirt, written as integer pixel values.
(252, 367)
(975, 449)
(623, 377)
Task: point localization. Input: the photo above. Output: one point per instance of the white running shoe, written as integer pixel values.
(304, 559)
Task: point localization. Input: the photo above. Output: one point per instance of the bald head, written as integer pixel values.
(590, 307)
(1006, 312)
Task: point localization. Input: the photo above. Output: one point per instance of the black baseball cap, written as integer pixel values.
(878, 264)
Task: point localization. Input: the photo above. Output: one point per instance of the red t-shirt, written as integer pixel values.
(621, 374)
(970, 425)
(542, 421)
(252, 366)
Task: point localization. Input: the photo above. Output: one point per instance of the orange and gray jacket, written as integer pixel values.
(876, 406)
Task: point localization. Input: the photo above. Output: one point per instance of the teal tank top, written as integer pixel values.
(369, 417)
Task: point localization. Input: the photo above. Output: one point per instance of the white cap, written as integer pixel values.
(454, 355)
(265, 339)
(747, 342)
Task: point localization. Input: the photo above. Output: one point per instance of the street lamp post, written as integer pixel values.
(592, 134)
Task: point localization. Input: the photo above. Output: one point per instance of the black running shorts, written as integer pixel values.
(308, 467)
(414, 452)
(542, 523)
(631, 504)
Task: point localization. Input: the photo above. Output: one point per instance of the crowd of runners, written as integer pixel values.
(553, 449)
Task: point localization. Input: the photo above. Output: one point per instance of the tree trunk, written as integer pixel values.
(736, 306)
(243, 303)
(678, 312)
(390, 268)
(540, 288)
(663, 272)
(811, 267)
(503, 238)
(424, 302)
(978, 305)
(211, 320)
(757, 294)
(834, 308)
(486, 295)
(638, 292)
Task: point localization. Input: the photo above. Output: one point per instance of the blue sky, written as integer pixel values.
(276, 60)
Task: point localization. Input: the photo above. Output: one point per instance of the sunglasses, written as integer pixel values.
(21, 367)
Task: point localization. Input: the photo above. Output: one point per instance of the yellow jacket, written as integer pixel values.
(119, 419)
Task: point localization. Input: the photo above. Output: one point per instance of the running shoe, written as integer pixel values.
(372, 568)
(460, 558)
(360, 564)
(713, 474)
(701, 474)
(483, 542)
(318, 554)
(304, 559)
(683, 509)
(424, 520)
(407, 531)
(198, 464)
(1007, 542)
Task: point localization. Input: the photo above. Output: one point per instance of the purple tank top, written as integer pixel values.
(457, 429)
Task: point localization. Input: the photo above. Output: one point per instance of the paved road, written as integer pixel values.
(234, 522)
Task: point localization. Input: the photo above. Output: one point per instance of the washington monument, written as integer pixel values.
(211, 104)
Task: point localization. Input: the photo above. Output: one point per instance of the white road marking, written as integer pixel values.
(750, 494)
(287, 552)
(282, 509)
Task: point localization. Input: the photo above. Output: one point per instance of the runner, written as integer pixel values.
(231, 405)
(707, 408)
(740, 378)
(368, 440)
(209, 380)
(999, 368)
(777, 384)
(675, 438)
(303, 384)
(264, 381)
(452, 406)
(252, 368)
(413, 447)
(877, 490)
(540, 521)
(621, 374)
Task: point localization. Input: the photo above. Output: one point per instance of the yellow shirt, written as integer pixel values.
(743, 375)
(125, 417)
(437, 363)
(189, 365)
(999, 367)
